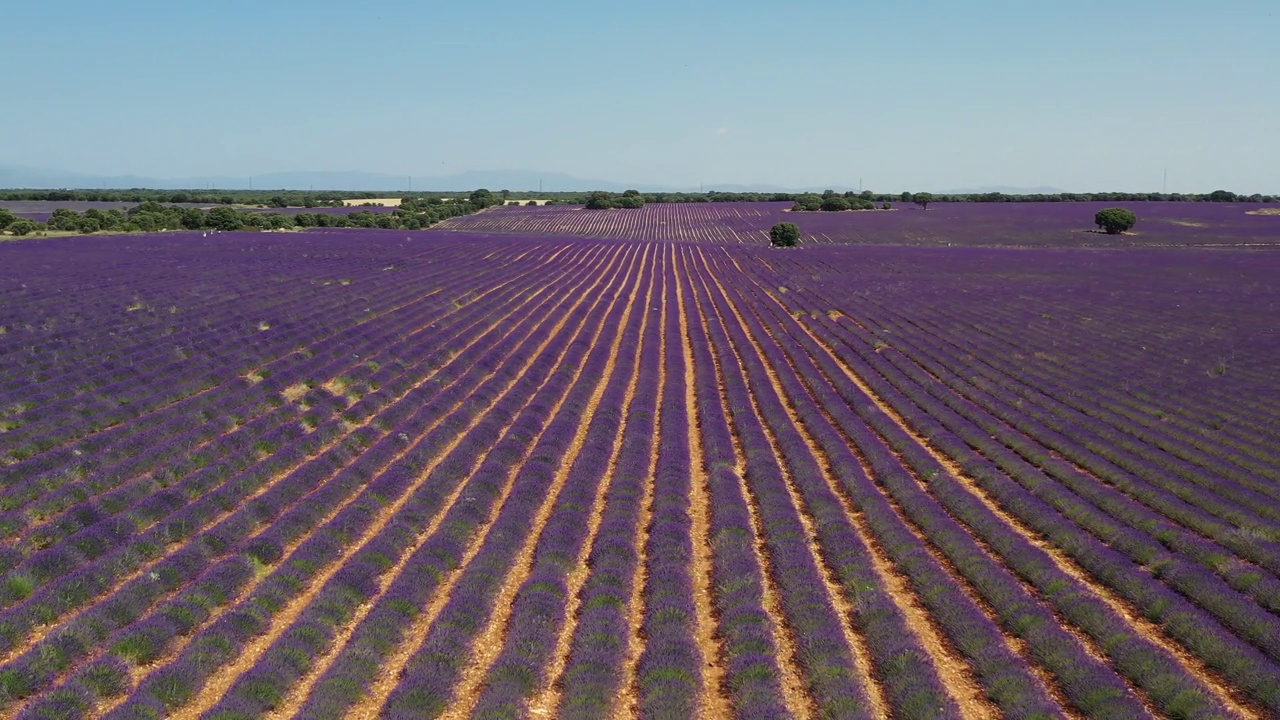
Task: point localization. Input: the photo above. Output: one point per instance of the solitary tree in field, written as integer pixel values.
(784, 235)
(1115, 220)
(923, 199)
(7, 218)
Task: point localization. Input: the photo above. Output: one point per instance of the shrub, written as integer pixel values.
(23, 226)
(1115, 220)
(784, 235)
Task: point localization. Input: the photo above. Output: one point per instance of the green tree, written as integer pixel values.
(600, 200)
(906, 197)
(7, 218)
(1222, 196)
(482, 198)
(23, 226)
(784, 235)
(834, 204)
(1115, 220)
(64, 219)
(922, 199)
(223, 218)
(808, 203)
(89, 225)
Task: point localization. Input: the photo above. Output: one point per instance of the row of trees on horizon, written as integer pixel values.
(307, 199)
(152, 216)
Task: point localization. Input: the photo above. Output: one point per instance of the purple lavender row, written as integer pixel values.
(1205, 402)
(1206, 590)
(1061, 419)
(148, 355)
(136, 452)
(512, 428)
(668, 222)
(284, 336)
(1150, 667)
(208, 651)
(825, 658)
(905, 668)
(184, 302)
(115, 412)
(539, 613)
(1210, 640)
(594, 673)
(1129, 425)
(753, 671)
(1004, 675)
(1243, 576)
(1242, 446)
(50, 558)
(298, 522)
(1014, 224)
(669, 673)
(431, 674)
(1190, 457)
(1074, 281)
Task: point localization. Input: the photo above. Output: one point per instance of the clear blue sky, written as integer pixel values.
(919, 94)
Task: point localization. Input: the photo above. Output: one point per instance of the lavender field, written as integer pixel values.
(580, 464)
(1023, 224)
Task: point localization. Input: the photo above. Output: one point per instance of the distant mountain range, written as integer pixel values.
(515, 180)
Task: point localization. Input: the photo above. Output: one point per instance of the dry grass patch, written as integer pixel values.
(1264, 211)
(337, 386)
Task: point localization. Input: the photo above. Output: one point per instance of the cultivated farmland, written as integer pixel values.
(663, 472)
(1022, 224)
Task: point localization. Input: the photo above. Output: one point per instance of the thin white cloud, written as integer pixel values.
(722, 131)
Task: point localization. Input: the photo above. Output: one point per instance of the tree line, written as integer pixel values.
(152, 216)
(304, 199)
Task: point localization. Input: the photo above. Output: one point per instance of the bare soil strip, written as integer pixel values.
(715, 702)
(795, 688)
(489, 643)
(547, 700)
(1016, 644)
(221, 681)
(375, 699)
(1149, 631)
(628, 703)
(952, 668)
